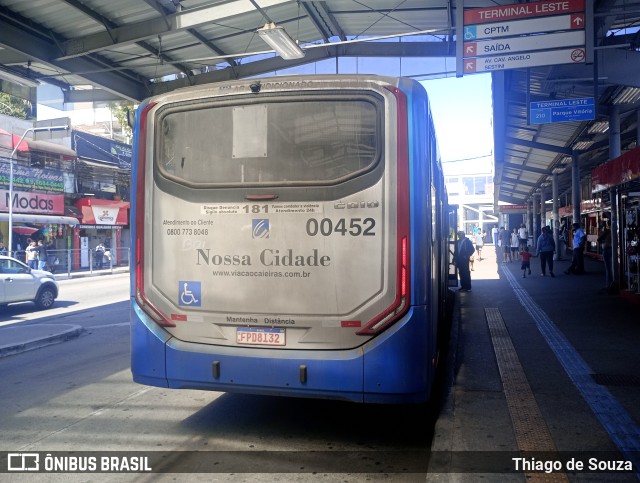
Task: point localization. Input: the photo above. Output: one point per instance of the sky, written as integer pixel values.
(462, 110)
(463, 116)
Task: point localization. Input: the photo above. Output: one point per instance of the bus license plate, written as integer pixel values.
(260, 336)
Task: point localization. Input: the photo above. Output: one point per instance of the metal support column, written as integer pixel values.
(555, 215)
(615, 149)
(527, 222)
(615, 262)
(543, 211)
(534, 230)
(576, 196)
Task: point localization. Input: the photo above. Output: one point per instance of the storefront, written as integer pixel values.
(36, 216)
(102, 221)
(622, 177)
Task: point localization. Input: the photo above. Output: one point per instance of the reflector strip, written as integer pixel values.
(401, 303)
(351, 323)
(140, 171)
(179, 317)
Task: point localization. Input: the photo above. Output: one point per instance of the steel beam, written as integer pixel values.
(537, 145)
(145, 29)
(43, 50)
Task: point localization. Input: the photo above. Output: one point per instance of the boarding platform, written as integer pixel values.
(544, 369)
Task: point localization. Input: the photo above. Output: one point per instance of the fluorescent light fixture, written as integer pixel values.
(599, 127)
(279, 40)
(17, 78)
(582, 145)
(628, 95)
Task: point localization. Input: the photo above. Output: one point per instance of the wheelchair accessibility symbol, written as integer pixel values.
(470, 33)
(189, 293)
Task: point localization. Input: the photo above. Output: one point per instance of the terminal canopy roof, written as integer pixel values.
(98, 51)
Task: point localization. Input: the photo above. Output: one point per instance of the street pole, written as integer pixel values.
(31, 129)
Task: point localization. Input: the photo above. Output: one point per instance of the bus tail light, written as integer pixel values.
(141, 298)
(401, 303)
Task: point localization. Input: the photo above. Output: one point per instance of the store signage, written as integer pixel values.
(105, 215)
(512, 209)
(38, 203)
(29, 178)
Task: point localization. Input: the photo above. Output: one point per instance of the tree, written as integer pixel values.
(119, 111)
(14, 106)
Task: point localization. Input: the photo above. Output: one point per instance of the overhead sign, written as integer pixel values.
(527, 59)
(522, 10)
(562, 110)
(513, 36)
(521, 27)
(523, 44)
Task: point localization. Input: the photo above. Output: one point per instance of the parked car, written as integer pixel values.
(19, 283)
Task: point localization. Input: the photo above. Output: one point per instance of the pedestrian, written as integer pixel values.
(504, 240)
(607, 253)
(32, 255)
(494, 237)
(522, 235)
(3, 249)
(99, 255)
(479, 245)
(42, 255)
(579, 243)
(545, 247)
(525, 254)
(515, 246)
(562, 240)
(463, 255)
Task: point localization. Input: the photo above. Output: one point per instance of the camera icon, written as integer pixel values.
(23, 462)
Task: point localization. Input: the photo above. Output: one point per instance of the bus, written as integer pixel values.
(289, 238)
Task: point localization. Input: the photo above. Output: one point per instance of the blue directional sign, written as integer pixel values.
(562, 110)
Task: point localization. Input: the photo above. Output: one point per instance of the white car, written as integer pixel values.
(19, 283)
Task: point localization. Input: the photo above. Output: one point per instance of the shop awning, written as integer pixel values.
(43, 219)
(617, 171)
(43, 146)
(103, 212)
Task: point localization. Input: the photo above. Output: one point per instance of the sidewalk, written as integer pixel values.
(85, 272)
(539, 364)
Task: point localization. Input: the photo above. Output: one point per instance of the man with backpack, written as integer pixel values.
(464, 252)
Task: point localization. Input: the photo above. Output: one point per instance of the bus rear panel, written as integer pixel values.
(285, 239)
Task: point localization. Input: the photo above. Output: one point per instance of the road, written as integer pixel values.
(79, 396)
(75, 294)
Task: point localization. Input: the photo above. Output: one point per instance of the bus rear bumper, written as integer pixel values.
(392, 368)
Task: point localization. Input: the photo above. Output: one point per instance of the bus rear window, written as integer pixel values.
(270, 143)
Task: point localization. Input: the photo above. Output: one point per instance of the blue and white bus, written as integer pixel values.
(289, 238)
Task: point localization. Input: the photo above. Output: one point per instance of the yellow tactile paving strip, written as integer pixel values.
(530, 428)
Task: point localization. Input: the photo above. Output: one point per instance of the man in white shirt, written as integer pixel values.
(579, 243)
(522, 235)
